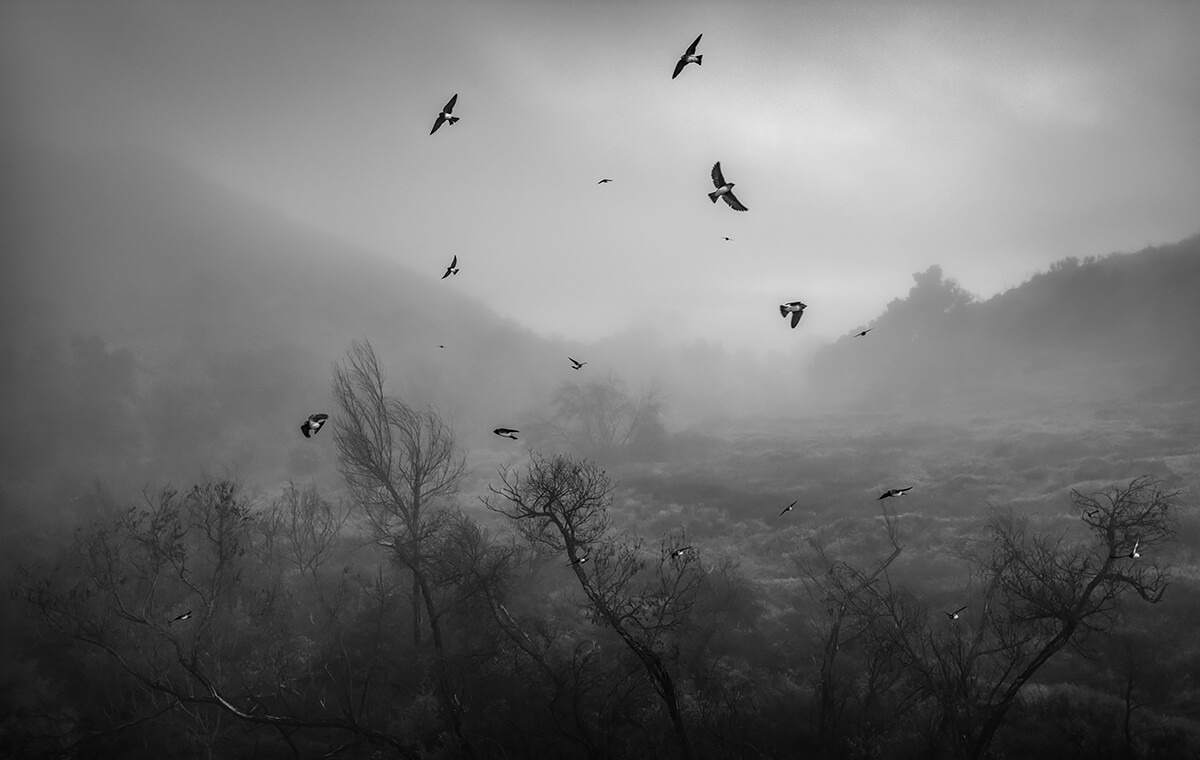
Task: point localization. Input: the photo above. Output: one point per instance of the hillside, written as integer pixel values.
(159, 324)
(1103, 328)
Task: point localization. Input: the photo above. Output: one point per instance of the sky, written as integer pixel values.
(868, 139)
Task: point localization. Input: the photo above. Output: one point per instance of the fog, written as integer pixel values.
(211, 210)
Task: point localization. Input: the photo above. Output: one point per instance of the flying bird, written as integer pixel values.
(601, 182)
(180, 618)
(724, 189)
(445, 116)
(894, 492)
(689, 57)
(1131, 555)
(577, 364)
(795, 308)
(680, 552)
(864, 332)
(453, 268)
(313, 424)
(581, 560)
(726, 238)
(788, 508)
(506, 433)
(954, 615)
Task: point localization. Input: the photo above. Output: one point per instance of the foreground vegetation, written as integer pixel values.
(662, 610)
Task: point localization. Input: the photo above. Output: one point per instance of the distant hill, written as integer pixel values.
(188, 327)
(1103, 327)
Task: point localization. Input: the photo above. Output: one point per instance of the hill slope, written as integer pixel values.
(1091, 330)
(205, 325)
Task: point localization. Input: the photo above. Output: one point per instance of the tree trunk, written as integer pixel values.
(996, 714)
(417, 603)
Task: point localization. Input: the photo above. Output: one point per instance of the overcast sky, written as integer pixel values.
(868, 139)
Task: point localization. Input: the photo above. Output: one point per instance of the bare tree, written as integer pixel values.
(165, 592)
(854, 600)
(302, 528)
(1041, 593)
(398, 463)
(601, 420)
(562, 504)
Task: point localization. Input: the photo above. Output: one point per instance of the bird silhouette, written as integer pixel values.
(726, 238)
(894, 492)
(180, 618)
(689, 57)
(601, 182)
(453, 268)
(313, 424)
(506, 433)
(680, 552)
(795, 308)
(864, 332)
(724, 190)
(788, 508)
(580, 560)
(954, 615)
(445, 116)
(576, 364)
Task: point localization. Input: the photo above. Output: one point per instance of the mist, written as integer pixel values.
(220, 220)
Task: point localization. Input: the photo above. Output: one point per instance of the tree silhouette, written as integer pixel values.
(562, 504)
(854, 600)
(399, 464)
(601, 420)
(1042, 593)
(171, 593)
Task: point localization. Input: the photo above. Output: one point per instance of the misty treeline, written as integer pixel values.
(390, 619)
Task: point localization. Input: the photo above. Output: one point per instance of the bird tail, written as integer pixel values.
(699, 59)
(452, 119)
(713, 197)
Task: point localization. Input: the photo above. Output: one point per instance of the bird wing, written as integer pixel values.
(679, 67)
(733, 202)
(450, 104)
(318, 417)
(304, 429)
(447, 274)
(796, 318)
(692, 48)
(717, 177)
(884, 495)
(437, 123)
(902, 490)
(960, 609)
